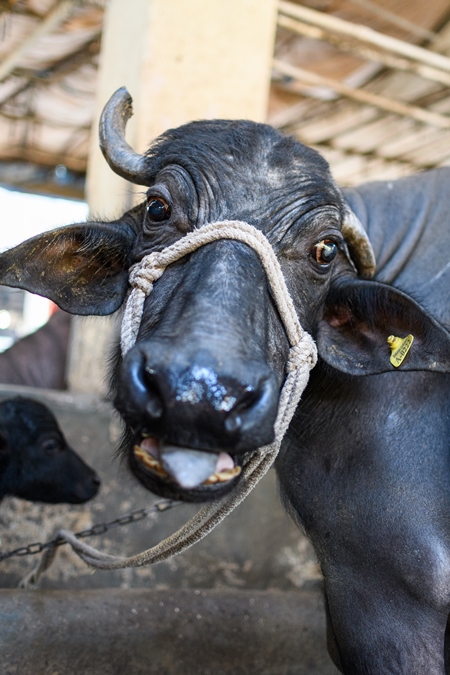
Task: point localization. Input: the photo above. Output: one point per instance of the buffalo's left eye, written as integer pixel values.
(325, 252)
(51, 446)
(157, 209)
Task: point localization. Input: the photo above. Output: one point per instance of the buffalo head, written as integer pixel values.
(199, 390)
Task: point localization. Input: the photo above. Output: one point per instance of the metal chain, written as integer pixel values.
(100, 528)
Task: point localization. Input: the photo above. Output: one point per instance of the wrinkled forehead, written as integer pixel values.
(225, 151)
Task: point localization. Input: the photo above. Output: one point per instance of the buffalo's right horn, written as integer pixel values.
(360, 248)
(120, 156)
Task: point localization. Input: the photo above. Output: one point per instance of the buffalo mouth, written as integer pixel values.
(183, 473)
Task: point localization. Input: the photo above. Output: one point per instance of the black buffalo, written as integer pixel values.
(365, 464)
(36, 462)
(39, 359)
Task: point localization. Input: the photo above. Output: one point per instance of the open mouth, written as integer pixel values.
(186, 467)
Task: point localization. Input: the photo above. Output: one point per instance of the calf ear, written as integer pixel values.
(360, 316)
(82, 268)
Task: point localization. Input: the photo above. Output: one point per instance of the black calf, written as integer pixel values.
(36, 463)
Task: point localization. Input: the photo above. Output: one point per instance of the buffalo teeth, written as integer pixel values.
(150, 462)
(223, 476)
(155, 466)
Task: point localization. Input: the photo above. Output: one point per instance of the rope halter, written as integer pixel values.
(151, 267)
(302, 357)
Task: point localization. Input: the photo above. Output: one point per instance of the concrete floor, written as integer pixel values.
(253, 581)
(137, 631)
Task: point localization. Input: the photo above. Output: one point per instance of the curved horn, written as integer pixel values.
(360, 248)
(120, 156)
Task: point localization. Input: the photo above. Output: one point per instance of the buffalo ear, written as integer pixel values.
(358, 318)
(82, 268)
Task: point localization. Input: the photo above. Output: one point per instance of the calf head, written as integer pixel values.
(36, 462)
(200, 388)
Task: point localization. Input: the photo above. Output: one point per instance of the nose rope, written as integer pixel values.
(144, 273)
(302, 357)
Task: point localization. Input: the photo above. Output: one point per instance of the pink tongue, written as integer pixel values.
(224, 462)
(188, 467)
(151, 446)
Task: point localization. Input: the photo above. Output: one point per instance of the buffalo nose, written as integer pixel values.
(93, 485)
(200, 404)
(86, 489)
(96, 482)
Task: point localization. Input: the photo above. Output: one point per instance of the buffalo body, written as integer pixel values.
(365, 465)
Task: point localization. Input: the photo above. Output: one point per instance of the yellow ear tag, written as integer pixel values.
(399, 348)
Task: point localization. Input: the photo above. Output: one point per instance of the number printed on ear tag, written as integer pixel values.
(399, 348)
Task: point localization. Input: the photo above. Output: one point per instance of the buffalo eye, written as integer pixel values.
(325, 252)
(51, 446)
(157, 209)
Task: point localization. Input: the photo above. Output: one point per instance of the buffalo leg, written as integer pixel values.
(373, 630)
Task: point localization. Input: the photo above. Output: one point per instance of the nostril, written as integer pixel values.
(154, 406)
(246, 402)
(137, 374)
(233, 423)
(254, 409)
(86, 489)
(144, 390)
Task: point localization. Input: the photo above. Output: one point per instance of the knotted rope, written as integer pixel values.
(302, 357)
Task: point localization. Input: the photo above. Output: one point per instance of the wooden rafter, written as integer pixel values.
(48, 76)
(378, 117)
(343, 111)
(395, 20)
(362, 50)
(84, 54)
(366, 35)
(366, 97)
(39, 156)
(60, 12)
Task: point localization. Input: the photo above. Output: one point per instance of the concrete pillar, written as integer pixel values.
(180, 61)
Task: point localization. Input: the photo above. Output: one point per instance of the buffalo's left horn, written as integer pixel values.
(120, 156)
(360, 248)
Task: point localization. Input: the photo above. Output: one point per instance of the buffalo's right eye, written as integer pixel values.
(325, 252)
(157, 209)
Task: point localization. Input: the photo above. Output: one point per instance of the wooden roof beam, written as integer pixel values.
(60, 12)
(396, 20)
(48, 76)
(39, 121)
(364, 34)
(66, 65)
(365, 97)
(7, 8)
(363, 51)
(39, 156)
